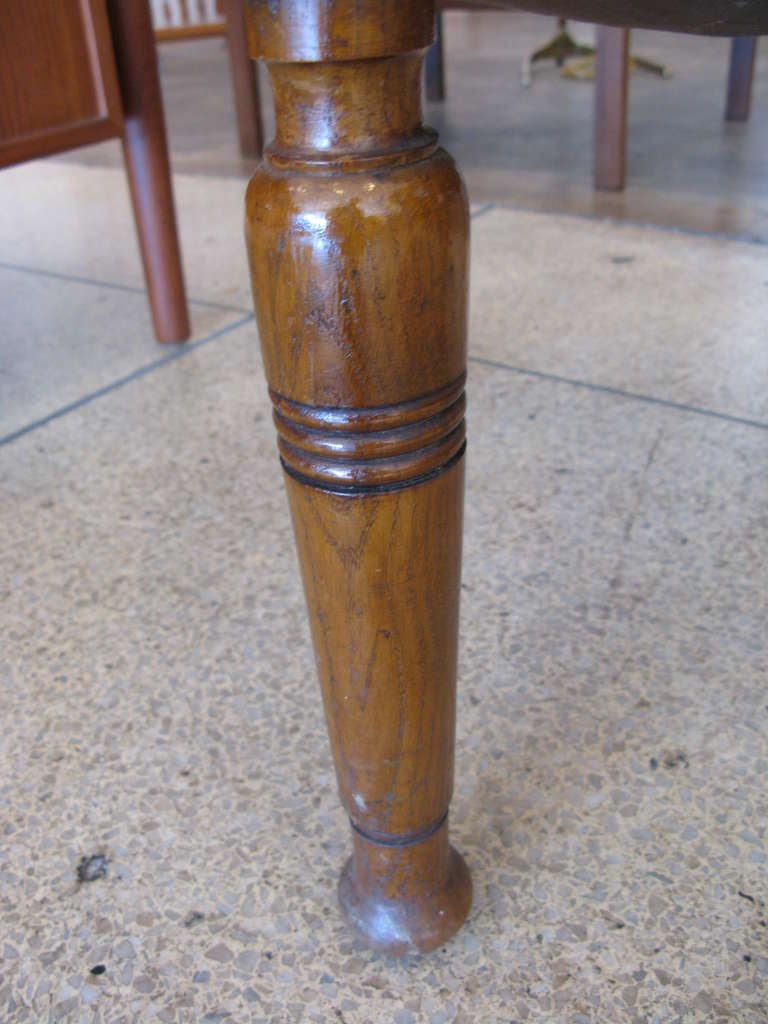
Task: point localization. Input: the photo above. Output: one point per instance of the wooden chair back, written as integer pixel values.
(187, 19)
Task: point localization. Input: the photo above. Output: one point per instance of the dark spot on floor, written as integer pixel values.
(98, 969)
(193, 917)
(91, 868)
(674, 758)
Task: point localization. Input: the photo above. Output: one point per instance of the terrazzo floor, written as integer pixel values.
(159, 708)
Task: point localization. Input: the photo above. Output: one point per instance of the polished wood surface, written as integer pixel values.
(339, 30)
(58, 83)
(357, 237)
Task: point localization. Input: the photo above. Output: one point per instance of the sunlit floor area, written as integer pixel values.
(162, 726)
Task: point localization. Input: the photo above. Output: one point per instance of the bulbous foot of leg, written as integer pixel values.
(408, 898)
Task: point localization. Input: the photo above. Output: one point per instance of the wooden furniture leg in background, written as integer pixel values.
(245, 83)
(740, 73)
(434, 65)
(357, 232)
(149, 172)
(611, 88)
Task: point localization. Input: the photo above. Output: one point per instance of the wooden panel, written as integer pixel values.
(58, 84)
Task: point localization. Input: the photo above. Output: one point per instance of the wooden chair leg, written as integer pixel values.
(149, 172)
(357, 230)
(435, 64)
(611, 88)
(245, 82)
(740, 74)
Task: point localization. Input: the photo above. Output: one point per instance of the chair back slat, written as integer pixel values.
(180, 19)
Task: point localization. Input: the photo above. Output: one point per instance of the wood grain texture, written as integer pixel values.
(334, 30)
(357, 232)
(611, 93)
(58, 83)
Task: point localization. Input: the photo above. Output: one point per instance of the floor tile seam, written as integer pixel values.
(113, 285)
(485, 208)
(179, 352)
(616, 392)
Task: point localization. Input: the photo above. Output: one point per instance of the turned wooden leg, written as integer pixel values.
(149, 172)
(245, 83)
(740, 73)
(357, 238)
(435, 64)
(611, 88)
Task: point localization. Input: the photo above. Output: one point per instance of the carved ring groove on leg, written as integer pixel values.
(375, 449)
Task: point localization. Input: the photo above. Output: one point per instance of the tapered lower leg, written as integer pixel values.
(149, 172)
(381, 575)
(357, 240)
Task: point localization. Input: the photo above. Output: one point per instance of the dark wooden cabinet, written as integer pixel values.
(58, 79)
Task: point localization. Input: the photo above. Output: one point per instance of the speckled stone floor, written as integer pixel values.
(159, 708)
